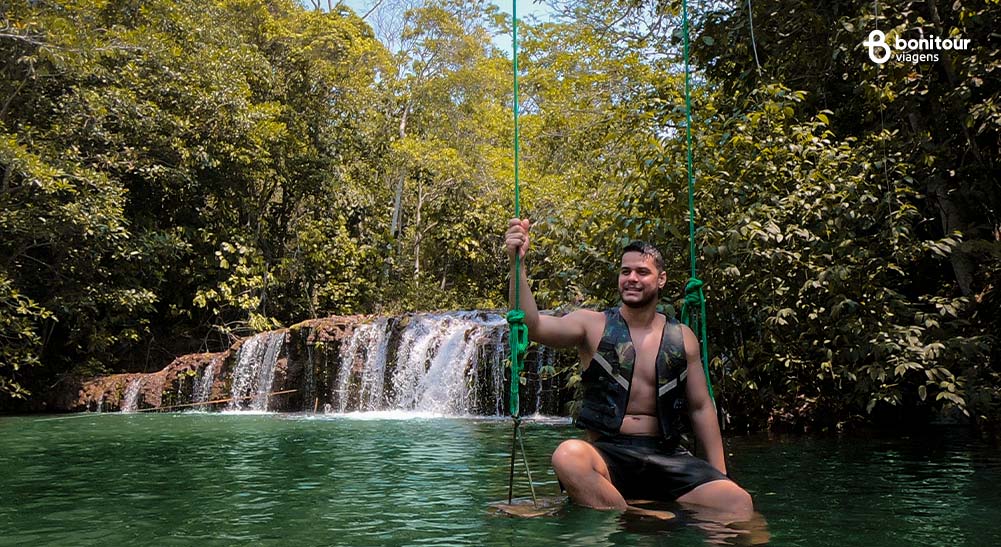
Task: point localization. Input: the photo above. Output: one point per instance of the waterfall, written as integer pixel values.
(491, 373)
(450, 363)
(363, 364)
(486, 375)
(203, 386)
(501, 396)
(131, 398)
(255, 371)
(540, 361)
(544, 357)
(309, 381)
(436, 362)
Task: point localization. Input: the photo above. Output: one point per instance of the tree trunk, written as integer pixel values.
(417, 233)
(394, 228)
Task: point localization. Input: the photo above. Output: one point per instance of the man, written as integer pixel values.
(639, 371)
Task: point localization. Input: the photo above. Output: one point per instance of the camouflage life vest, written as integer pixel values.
(607, 378)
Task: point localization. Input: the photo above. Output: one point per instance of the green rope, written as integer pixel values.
(518, 337)
(693, 289)
(694, 297)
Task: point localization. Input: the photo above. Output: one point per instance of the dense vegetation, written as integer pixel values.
(179, 172)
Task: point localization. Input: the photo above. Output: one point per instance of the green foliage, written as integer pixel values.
(21, 342)
(68, 260)
(172, 169)
(854, 219)
(449, 162)
(810, 278)
(598, 98)
(139, 139)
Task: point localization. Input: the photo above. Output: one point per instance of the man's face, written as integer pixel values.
(639, 281)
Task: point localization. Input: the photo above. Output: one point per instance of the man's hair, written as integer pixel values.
(646, 249)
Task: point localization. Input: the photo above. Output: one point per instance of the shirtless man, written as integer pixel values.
(640, 370)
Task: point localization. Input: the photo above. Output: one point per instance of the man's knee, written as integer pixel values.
(739, 499)
(573, 456)
(730, 497)
(722, 495)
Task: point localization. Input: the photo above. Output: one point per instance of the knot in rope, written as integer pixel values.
(518, 340)
(693, 313)
(516, 320)
(694, 299)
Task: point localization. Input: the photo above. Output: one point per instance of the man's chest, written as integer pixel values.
(645, 345)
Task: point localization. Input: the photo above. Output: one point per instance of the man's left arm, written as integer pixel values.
(700, 405)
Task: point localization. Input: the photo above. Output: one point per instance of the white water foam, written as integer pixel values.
(131, 398)
(390, 415)
(435, 365)
(254, 373)
(203, 386)
(435, 371)
(364, 352)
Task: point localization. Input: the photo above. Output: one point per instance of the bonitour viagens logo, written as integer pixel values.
(913, 50)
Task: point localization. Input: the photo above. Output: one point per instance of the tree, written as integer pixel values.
(160, 161)
(450, 156)
(908, 210)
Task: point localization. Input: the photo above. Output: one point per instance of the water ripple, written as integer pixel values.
(224, 479)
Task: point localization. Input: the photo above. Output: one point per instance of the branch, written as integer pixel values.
(37, 40)
(373, 8)
(3, 116)
(30, 39)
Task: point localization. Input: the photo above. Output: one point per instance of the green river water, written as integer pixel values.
(270, 479)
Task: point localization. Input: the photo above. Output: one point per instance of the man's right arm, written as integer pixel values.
(559, 332)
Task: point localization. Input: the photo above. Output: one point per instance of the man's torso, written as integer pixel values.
(641, 410)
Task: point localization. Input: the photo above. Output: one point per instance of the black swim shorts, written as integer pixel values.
(650, 468)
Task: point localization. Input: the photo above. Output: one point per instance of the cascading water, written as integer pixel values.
(255, 371)
(309, 400)
(451, 363)
(545, 357)
(495, 397)
(442, 365)
(436, 369)
(203, 386)
(540, 361)
(131, 398)
(361, 378)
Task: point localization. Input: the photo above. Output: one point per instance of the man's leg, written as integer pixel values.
(585, 476)
(724, 498)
